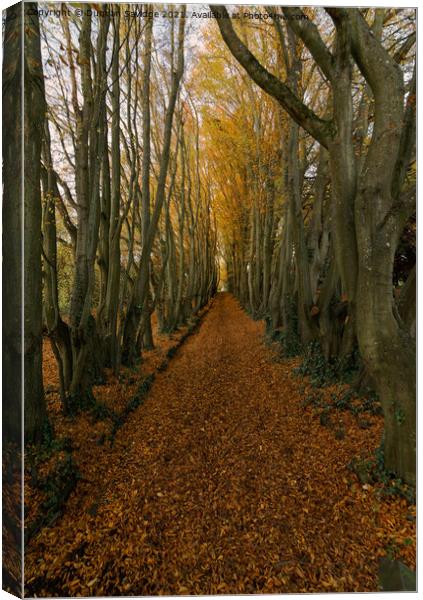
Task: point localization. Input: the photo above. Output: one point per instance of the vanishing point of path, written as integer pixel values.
(221, 482)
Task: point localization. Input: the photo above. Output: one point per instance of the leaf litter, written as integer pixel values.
(220, 482)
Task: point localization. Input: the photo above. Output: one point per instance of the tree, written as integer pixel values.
(136, 306)
(57, 329)
(34, 114)
(107, 315)
(366, 233)
(89, 148)
(12, 223)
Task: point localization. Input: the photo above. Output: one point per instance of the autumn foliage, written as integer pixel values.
(219, 305)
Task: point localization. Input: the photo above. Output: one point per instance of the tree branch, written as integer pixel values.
(408, 140)
(310, 35)
(405, 47)
(320, 129)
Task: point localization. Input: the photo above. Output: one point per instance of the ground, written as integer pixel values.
(222, 481)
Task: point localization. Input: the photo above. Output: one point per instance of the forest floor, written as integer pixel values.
(222, 481)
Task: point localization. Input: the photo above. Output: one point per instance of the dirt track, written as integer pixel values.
(220, 483)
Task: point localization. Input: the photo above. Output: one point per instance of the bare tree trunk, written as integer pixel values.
(147, 332)
(318, 234)
(407, 303)
(115, 223)
(12, 224)
(57, 329)
(267, 250)
(34, 114)
(141, 287)
(88, 160)
(344, 179)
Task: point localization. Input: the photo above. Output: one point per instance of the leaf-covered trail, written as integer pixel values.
(220, 483)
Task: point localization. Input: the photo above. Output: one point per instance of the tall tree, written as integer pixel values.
(146, 164)
(57, 329)
(89, 149)
(108, 316)
(141, 286)
(34, 115)
(366, 233)
(12, 223)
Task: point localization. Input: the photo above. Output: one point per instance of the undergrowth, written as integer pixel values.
(322, 371)
(57, 484)
(345, 400)
(50, 444)
(288, 339)
(289, 342)
(372, 471)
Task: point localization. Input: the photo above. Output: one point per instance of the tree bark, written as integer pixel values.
(141, 286)
(34, 114)
(57, 329)
(90, 146)
(369, 214)
(12, 224)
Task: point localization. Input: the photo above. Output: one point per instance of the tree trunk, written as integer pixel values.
(386, 346)
(57, 329)
(148, 341)
(12, 225)
(90, 146)
(115, 223)
(34, 112)
(141, 286)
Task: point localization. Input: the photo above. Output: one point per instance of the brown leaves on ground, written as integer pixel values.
(11, 517)
(221, 483)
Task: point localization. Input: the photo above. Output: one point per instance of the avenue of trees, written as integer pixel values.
(339, 148)
(113, 197)
(280, 152)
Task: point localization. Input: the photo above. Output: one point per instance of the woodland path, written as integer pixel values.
(220, 483)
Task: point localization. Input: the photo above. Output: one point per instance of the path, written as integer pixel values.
(220, 483)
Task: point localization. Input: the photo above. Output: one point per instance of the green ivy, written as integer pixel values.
(372, 470)
(57, 487)
(324, 372)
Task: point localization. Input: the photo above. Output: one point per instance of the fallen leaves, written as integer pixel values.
(221, 482)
